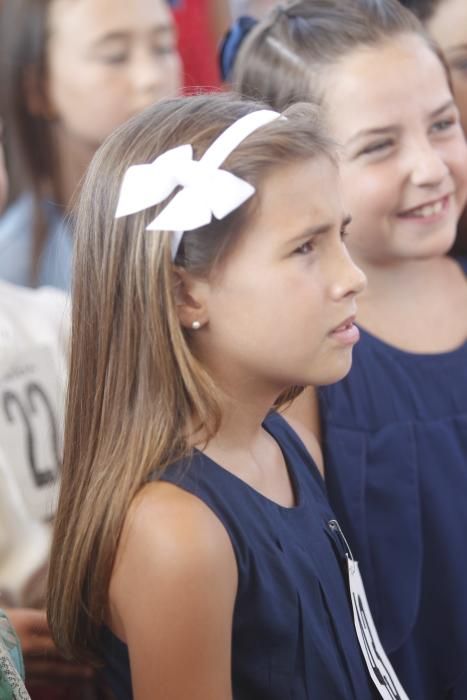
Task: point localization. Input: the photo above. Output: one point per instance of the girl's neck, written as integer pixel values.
(247, 450)
(243, 406)
(392, 281)
(416, 305)
(241, 424)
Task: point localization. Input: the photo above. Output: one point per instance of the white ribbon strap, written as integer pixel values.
(207, 190)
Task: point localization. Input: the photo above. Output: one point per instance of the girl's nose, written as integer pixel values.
(428, 166)
(351, 280)
(147, 72)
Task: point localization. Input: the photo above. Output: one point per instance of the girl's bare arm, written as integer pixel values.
(172, 596)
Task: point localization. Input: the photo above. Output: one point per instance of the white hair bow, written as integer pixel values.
(207, 190)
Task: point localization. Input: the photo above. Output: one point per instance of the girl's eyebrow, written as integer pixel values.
(443, 108)
(160, 29)
(379, 131)
(376, 131)
(318, 230)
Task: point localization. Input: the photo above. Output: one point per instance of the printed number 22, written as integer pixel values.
(35, 395)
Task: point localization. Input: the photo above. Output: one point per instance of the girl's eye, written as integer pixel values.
(304, 249)
(444, 124)
(163, 49)
(114, 58)
(378, 147)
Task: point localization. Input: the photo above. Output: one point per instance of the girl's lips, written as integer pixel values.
(347, 333)
(429, 212)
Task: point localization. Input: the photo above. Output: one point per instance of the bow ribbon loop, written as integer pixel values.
(207, 190)
(215, 192)
(145, 185)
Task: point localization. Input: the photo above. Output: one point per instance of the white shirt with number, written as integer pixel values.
(33, 353)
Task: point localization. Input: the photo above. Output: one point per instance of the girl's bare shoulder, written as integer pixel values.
(170, 533)
(173, 587)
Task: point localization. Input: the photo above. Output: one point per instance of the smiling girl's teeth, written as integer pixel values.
(428, 210)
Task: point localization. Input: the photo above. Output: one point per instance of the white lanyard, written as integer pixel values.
(378, 665)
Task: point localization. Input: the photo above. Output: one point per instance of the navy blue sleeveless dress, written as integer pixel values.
(293, 635)
(395, 444)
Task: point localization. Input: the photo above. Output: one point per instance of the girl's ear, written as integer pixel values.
(191, 296)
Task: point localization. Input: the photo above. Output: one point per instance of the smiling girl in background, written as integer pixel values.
(395, 429)
(446, 21)
(70, 73)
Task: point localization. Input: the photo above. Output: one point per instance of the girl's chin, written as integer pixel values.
(334, 375)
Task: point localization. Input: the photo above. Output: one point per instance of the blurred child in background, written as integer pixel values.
(70, 73)
(33, 358)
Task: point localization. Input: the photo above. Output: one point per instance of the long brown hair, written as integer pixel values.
(284, 58)
(134, 384)
(31, 151)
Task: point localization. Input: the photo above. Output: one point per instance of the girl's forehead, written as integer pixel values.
(403, 69)
(95, 16)
(393, 52)
(314, 187)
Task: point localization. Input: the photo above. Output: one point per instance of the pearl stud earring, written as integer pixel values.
(196, 325)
